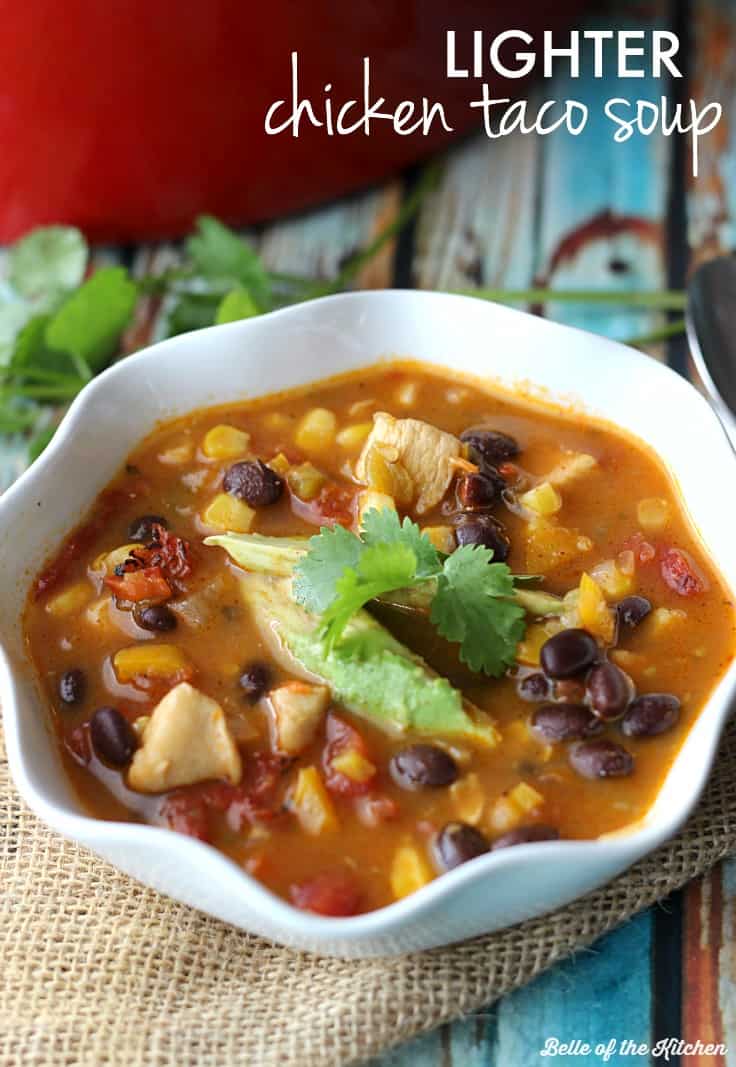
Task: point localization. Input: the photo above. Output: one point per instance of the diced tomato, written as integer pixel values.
(112, 501)
(254, 800)
(186, 812)
(145, 584)
(171, 553)
(374, 809)
(340, 737)
(334, 893)
(78, 745)
(681, 574)
(508, 471)
(335, 505)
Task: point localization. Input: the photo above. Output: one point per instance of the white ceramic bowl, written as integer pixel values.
(294, 346)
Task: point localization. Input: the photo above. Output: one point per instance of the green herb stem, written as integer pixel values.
(672, 329)
(667, 300)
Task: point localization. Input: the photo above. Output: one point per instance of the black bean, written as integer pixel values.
(564, 722)
(155, 617)
(255, 680)
(609, 691)
(651, 714)
(113, 738)
(632, 610)
(489, 446)
(475, 492)
(253, 482)
(457, 843)
(533, 687)
(423, 766)
(73, 686)
(486, 531)
(141, 529)
(525, 835)
(568, 653)
(601, 759)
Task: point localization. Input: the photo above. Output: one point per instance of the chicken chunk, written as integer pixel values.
(187, 740)
(298, 710)
(424, 452)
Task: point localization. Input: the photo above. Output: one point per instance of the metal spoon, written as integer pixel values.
(711, 331)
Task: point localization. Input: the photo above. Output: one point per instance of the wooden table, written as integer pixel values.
(570, 213)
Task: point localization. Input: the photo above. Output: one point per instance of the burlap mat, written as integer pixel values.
(98, 971)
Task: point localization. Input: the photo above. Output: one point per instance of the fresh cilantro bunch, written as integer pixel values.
(59, 326)
(469, 595)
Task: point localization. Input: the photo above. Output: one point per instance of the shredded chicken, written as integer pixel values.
(298, 710)
(187, 740)
(426, 453)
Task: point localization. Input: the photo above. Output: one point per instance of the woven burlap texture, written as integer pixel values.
(98, 971)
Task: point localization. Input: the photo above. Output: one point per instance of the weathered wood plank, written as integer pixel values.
(709, 957)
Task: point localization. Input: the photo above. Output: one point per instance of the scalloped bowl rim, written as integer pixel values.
(398, 926)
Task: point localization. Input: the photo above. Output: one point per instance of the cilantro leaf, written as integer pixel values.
(235, 305)
(218, 252)
(385, 527)
(48, 261)
(191, 311)
(469, 609)
(381, 568)
(331, 552)
(89, 323)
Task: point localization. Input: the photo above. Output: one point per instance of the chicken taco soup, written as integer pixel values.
(358, 634)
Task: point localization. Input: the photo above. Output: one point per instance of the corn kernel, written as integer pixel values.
(653, 514)
(442, 537)
(527, 651)
(306, 481)
(542, 499)
(316, 430)
(177, 455)
(149, 660)
(280, 464)
(69, 600)
(595, 615)
(369, 499)
(225, 442)
(311, 803)
(354, 765)
(511, 809)
(468, 798)
(354, 436)
(631, 662)
(663, 620)
(226, 512)
(410, 870)
(526, 797)
(615, 583)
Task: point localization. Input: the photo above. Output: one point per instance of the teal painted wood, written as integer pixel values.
(598, 995)
(590, 177)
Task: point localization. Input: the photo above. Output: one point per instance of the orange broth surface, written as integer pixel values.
(381, 842)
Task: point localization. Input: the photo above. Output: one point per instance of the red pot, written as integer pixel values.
(130, 117)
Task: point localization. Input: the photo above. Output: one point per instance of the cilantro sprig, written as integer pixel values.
(468, 594)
